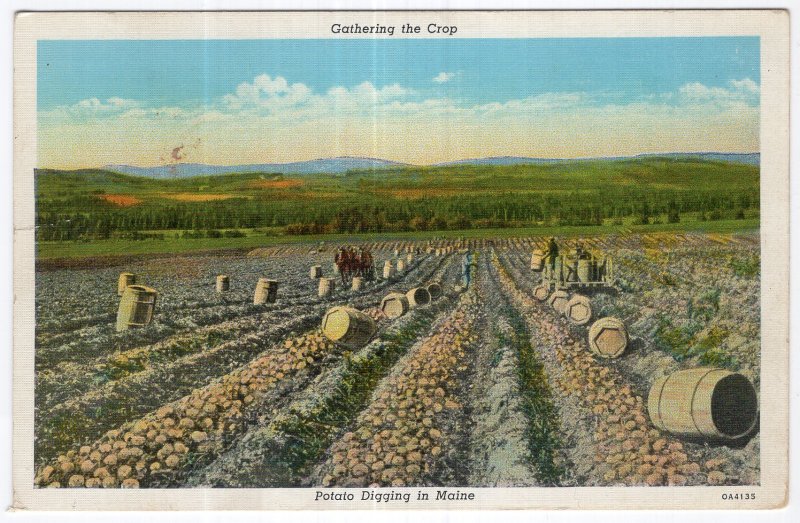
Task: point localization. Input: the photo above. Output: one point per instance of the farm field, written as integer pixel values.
(484, 386)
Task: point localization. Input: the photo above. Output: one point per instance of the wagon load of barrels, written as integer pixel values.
(579, 310)
(435, 291)
(418, 296)
(223, 283)
(348, 326)
(266, 291)
(136, 307)
(394, 305)
(125, 279)
(558, 300)
(705, 402)
(608, 338)
(326, 287)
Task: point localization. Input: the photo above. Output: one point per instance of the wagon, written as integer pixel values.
(579, 271)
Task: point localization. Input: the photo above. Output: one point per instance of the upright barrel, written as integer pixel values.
(418, 296)
(394, 305)
(326, 287)
(388, 269)
(136, 307)
(223, 283)
(409, 258)
(579, 310)
(704, 402)
(401, 265)
(435, 291)
(349, 327)
(537, 261)
(584, 270)
(266, 291)
(558, 300)
(315, 272)
(358, 283)
(608, 338)
(125, 279)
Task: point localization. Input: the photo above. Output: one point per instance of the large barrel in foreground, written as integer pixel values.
(704, 402)
(266, 291)
(349, 327)
(608, 338)
(136, 308)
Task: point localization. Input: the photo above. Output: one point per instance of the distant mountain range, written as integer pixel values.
(343, 164)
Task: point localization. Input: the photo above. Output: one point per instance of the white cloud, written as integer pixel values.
(444, 77)
(745, 89)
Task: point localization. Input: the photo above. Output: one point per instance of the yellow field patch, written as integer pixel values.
(276, 184)
(122, 200)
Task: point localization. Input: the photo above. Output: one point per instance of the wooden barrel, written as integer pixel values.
(394, 305)
(125, 279)
(326, 287)
(558, 300)
(537, 261)
(349, 327)
(358, 282)
(541, 292)
(223, 283)
(266, 291)
(579, 310)
(401, 265)
(335, 269)
(396, 253)
(704, 402)
(409, 258)
(418, 296)
(435, 291)
(136, 307)
(315, 272)
(388, 269)
(608, 338)
(584, 270)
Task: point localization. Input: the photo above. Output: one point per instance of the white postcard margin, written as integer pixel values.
(772, 26)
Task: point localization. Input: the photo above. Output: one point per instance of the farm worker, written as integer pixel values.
(466, 267)
(552, 253)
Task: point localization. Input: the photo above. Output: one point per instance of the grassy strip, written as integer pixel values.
(309, 433)
(118, 247)
(543, 421)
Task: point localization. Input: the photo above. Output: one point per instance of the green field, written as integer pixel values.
(96, 213)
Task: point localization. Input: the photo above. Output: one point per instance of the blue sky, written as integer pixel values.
(96, 88)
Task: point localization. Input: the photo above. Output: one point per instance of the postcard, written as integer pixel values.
(401, 260)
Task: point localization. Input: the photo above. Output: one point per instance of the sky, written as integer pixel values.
(419, 101)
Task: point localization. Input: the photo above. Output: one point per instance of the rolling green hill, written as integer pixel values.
(93, 205)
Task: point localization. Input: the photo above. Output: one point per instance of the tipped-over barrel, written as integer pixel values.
(223, 283)
(541, 292)
(704, 402)
(326, 287)
(579, 310)
(435, 291)
(394, 305)
(537, 261)
(315, 272)
(349, 327)
(358, 282)
(136, 308)
(608, 338)
(418, 296)
(558, 300)
(125, 279)
(266, 291)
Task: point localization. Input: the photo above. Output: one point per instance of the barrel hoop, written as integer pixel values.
(691, 403)
(661, 423)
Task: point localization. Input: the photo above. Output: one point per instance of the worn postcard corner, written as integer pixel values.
(401, 260)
